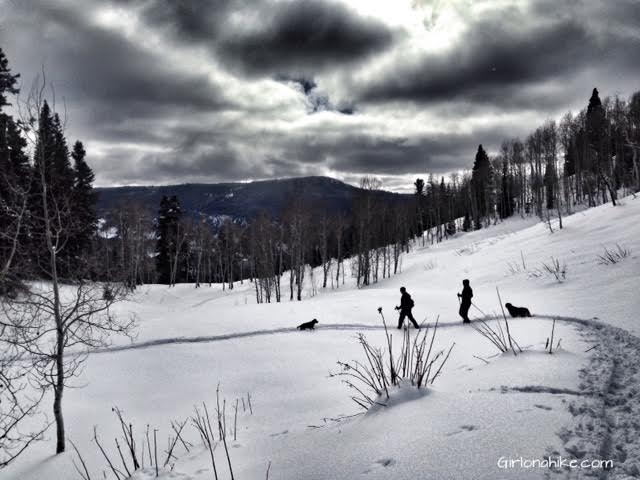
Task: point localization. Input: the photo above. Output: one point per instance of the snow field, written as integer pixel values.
(574, 403)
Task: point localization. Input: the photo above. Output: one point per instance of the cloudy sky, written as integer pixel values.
(169, 91)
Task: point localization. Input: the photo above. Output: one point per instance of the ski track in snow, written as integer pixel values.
(333, 327)
(606, 409)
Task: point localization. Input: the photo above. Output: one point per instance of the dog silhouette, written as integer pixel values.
(308, 325)
(517, 311)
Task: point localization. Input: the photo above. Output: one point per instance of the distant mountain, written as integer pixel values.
(240, 200)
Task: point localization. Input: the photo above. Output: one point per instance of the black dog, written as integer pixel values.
(518, 311)
(308, 325)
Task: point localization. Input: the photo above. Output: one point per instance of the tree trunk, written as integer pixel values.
(59, 352)
(58, 391)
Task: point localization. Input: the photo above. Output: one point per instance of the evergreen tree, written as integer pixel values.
(7, 81)
(596, 121)
(420, 200)
(84, 199)
(481, 184)
(52, 174)
(14, 170)
(167, 230)
(14, 183)
(596, 125)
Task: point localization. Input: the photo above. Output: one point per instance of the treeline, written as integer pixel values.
(171, 247)
(585, 159)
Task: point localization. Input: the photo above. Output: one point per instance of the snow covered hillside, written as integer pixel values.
(580, 403)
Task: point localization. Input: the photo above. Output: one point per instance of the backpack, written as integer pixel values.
(411, 303)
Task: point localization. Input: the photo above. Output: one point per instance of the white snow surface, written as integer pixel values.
(484, 406)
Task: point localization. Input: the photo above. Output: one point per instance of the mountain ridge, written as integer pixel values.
(241, 200)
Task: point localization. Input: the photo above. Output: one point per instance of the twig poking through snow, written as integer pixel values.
(480, 358)
(85, 475)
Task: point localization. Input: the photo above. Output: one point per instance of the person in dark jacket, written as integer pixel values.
(465, 303)
(406, 304)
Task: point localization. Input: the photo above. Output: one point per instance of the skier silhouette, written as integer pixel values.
(406, 304)
(465, 304)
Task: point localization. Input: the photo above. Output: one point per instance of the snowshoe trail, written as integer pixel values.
(607, 416)
(325, 327)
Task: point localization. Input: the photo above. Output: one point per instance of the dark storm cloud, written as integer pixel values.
(194, 20)
(303, 36)
(116, 79)
(288, 36)
(486, 60)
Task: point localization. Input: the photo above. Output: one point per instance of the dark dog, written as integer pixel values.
(308, 325)
(517, 311)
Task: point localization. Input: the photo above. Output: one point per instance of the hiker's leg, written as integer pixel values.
(464, 311)
(401, 319)
(413, 320)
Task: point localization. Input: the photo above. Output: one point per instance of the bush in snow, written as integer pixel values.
(556, 269)
(496, 335)
(416, 364)
(500, 337)
(609, 257)
(145, 458)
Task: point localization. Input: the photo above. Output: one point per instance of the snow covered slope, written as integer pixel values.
(484, 407)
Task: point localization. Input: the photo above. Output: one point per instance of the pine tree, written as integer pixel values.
(596, 125)
(52, 174)
(7, 81)
(14, 184)
(420, 200)
(596, 121)
(84, 199)
(167, 232)
(481, 182)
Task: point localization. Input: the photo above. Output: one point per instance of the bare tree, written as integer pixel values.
(51, 318)
(18, 402)
(56, 325)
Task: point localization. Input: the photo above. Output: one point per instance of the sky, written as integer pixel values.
(174, 91)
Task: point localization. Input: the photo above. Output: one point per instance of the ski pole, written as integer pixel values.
(478, 309)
